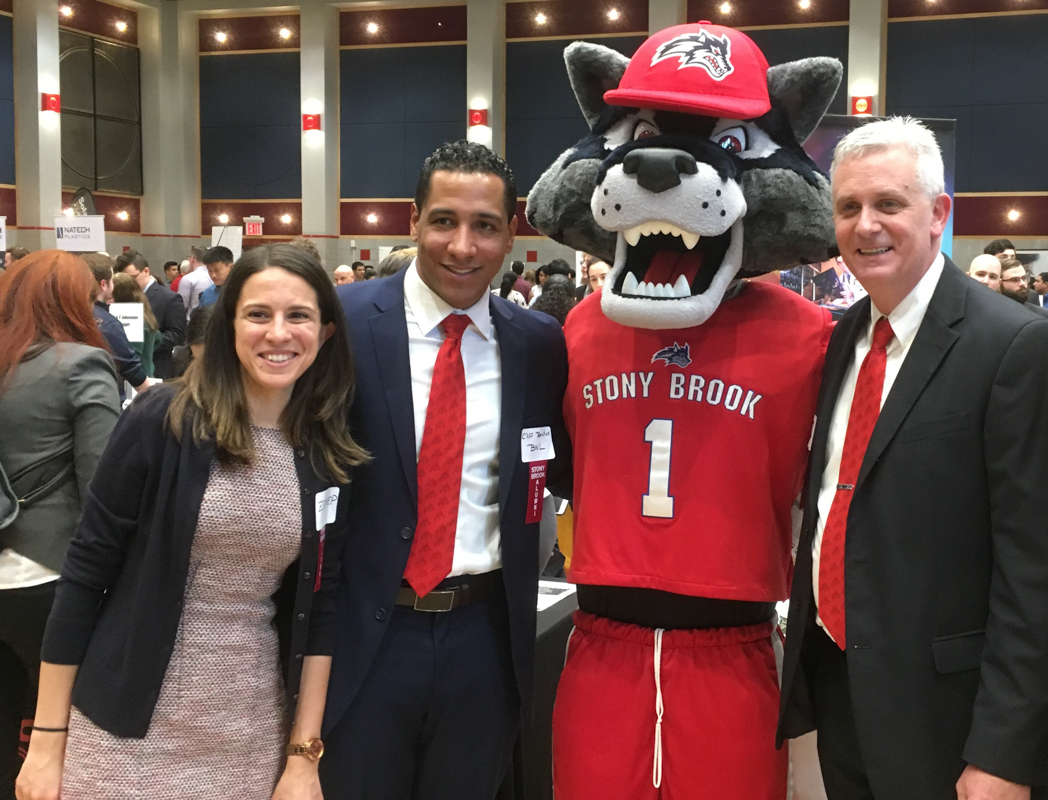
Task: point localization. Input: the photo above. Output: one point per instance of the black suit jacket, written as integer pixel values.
(946, 556)
(170, 313)
(384, 509)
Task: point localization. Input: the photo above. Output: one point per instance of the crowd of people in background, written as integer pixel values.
(999, 268)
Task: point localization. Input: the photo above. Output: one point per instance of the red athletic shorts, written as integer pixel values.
(718, 694)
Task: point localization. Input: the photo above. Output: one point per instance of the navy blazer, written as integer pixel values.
(170, 313)
(383, 509)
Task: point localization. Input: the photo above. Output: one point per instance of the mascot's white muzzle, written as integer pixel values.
(680, 236)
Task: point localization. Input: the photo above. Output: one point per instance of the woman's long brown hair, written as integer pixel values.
(210, 397)
(45, 297)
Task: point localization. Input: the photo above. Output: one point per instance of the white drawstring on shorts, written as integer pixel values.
(656, 772)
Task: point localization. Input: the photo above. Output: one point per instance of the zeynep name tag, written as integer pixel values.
(536, 448)
(327, 506)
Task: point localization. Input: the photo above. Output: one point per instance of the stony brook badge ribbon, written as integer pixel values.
(327, 510)
(536, 450)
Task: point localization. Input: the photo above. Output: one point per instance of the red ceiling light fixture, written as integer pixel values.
(311, 122)
(50, 102)
(478, 116)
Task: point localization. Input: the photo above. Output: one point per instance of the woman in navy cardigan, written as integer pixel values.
(193, 618)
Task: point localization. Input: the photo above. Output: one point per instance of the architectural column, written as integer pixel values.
(666, 14)
(320, 157)
(867, 51)
(486, 70)
(38, 134)
(170, 120)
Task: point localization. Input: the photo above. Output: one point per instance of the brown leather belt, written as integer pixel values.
(448, 598)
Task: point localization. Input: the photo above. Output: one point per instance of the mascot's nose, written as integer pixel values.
(659, 168)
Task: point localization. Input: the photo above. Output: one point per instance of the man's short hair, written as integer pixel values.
(168, 264)
(558, 266)
(129, 257)
(357, 264)
(17, 252)
(101, 266)
(469, 157)
(396, 261)
(998, 246)
(309, 246)
(198, 253)
(884, 134)
(1043, 276)
(517, 267)
(218, 254)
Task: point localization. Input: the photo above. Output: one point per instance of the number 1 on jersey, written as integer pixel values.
(658, 502)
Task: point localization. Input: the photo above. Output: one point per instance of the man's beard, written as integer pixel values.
(1018, 297)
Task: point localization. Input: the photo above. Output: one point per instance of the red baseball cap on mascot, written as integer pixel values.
(699, 68)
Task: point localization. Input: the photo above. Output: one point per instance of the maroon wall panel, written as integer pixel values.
(575, 18)
(272, 210)
(403, 26)
(9, 205)
(100, 19)
(898, 9)
(394, 217)
(248, 33)
(109, 206)
(752, 13)
(987, 215)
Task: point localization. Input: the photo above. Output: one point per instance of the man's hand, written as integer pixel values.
(975, 784)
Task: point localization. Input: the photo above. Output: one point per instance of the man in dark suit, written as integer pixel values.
(433, 667)
(917, 642)
(167, 307)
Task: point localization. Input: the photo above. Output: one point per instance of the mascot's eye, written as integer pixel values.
(644, 130)
(733, 140)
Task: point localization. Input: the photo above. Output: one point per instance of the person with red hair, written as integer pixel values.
(58, 406)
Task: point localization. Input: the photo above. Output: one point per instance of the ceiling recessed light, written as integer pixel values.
(65, 11)
(540, 18)
(371, 218)
(804, 4)
(613, 14)
(220, 37)
(121, 25)
(1014, 215)
(286, 219)
(372, 27)
(725, 8)
(285, 33)
(223, 218)
(122, 215)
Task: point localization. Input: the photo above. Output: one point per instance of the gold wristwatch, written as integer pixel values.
(312, 749)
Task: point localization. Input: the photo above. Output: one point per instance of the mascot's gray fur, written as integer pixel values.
(645, 180)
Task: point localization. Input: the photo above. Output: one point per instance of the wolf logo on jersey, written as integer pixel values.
(674, 355)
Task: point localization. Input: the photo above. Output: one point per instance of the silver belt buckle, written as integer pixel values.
(448, 596)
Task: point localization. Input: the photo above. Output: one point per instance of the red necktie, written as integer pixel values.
(440, 464)
(865, 408)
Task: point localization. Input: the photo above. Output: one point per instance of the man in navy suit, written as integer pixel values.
(433, 667)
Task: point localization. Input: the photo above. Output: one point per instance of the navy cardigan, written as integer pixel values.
(119, 599)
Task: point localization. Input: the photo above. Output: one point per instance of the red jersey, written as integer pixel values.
(690, 445)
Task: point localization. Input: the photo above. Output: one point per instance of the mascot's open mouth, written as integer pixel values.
(665, 262)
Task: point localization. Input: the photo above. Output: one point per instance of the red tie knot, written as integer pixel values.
(882, 334)
(455, 325)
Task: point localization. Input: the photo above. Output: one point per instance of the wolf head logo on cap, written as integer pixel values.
(702, 49)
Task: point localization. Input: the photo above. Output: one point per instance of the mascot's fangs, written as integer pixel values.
(690, 401)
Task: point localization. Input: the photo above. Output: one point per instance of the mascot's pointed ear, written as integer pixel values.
(806, 88)
(593, 70)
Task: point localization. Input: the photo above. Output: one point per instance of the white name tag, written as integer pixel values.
(536, 444)
(327, 506)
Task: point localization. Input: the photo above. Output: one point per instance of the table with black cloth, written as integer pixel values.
(531, 774)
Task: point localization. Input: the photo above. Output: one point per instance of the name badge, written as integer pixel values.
(536, 444)
(327, 506)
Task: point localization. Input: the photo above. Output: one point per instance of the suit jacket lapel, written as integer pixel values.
(839, 357)
(389, 337)
(934, 339)
(513, 361)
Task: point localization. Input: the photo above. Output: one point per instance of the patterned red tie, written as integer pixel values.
(440, 464)
(866, 407)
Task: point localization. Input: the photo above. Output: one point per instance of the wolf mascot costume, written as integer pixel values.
(690, 402)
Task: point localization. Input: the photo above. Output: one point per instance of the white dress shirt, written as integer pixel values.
(477, 543)
(190, 287)
(905, 319)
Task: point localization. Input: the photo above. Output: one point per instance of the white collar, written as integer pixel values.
(430, 309)
(152, 280)
(906, 317)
